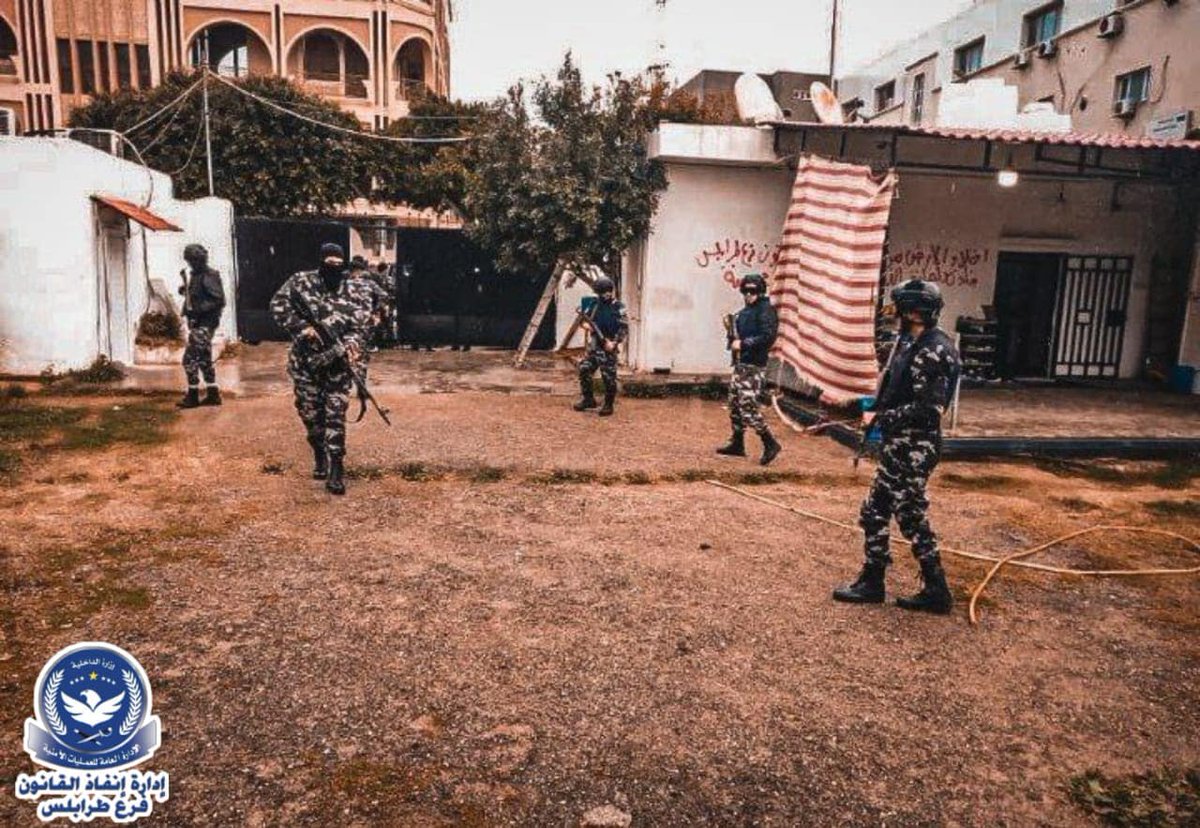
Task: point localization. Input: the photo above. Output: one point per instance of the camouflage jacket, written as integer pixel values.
(919, 386)
(347, 311)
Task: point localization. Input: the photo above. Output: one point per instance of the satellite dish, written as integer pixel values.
(755, 101)
(829, 111)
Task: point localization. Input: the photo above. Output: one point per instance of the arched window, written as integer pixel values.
(8, 49)
(322, 57)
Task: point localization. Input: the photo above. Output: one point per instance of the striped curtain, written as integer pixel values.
(825, 280)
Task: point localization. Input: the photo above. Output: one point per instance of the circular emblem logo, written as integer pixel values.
(93, 702)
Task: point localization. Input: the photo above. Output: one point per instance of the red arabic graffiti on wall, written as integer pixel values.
(737, 257)
(950, 266)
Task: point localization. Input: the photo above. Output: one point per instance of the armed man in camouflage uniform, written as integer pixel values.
(203, 301)
(322, 385)
(607, 325)
(750, 334)
(915, 391)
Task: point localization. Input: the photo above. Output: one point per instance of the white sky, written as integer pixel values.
(496, 42)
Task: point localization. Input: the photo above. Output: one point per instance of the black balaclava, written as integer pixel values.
(331, 274)
(196, 257)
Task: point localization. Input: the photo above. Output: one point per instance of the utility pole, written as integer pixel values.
(833, 38)
(207, 133)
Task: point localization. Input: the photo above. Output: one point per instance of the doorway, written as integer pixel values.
(1026, 287)
(116, 329)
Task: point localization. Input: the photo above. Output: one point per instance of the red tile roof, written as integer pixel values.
(139, 214)
(1113, 140)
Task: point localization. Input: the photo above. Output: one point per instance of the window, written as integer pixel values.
(103, 75)
(1133, 86)
(124, 75)
(8, 49)
(969, 58)
(87, 67)
(885, 96)
(918, 98)
(1043, 24)
(66, 74)
(8, 122)
(142, 52)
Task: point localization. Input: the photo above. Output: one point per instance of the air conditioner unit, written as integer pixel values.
(1021, 60)
(1111, 25)
(8, 121)
(1047, 49)
(1125, 108)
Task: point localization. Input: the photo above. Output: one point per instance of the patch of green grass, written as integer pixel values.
(694, 475)
(1175, 508)
(486, 474)
(139, 424)
(1076, 504)
(1172, 474)
(416, 472)
(710, 389)
(366, 473)
(559, 476)
(15, 392)
(989, 482)
(638, 478)
(23, 423)
(1158, 798)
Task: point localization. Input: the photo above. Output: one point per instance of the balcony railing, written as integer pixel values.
(334, 85)
(407, 89)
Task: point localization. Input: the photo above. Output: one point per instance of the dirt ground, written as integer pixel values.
(520, 614)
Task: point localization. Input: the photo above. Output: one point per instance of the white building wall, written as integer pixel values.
(953, 229)
(714, 224)
(1000, 22)
(49, 279)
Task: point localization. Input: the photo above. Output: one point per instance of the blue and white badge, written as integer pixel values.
(92, 725)
(92, 702)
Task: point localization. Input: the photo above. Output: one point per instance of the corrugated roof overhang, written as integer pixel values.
(135, 213)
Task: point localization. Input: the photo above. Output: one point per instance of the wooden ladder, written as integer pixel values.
(539, 313)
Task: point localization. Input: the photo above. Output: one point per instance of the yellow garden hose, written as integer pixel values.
(1014, 559)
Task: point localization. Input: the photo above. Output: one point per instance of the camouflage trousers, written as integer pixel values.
(598, 359)
(745, 388)
(321, 399)
(905, 464)
(197, 356)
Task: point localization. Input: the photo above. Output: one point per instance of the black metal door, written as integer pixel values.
(450, 293)
(268, 252)
(1090, 315)
(1026, 284)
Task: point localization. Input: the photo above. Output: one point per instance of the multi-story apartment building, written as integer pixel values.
(367, 56)
(1127, 66)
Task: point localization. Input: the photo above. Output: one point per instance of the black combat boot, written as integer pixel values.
(610, 397)
(191, 399)
(868, 589)
(736, 447)
(771, 448)
(587, 399)
(934, 595)
(336, 484)
(212, 396)
(320, 460)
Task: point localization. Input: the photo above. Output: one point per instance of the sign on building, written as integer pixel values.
(1170, 127)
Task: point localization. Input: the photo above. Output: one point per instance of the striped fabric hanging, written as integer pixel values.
(825, 280)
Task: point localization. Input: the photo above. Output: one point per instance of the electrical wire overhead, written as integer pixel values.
(391, 139)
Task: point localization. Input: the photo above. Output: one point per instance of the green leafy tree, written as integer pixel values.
(572, 183)
(266, 162)
(430, 175)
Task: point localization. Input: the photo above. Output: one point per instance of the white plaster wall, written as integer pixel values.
(1000, 22)
(714, 224)
(953, 229)
(49, 298)
(206, 221)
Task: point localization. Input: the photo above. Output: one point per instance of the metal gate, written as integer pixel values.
(268, 252)
(1090, 315)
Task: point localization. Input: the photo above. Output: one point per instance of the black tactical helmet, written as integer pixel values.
(755, 281)
(195, 252)
(358, 263)
(603, 284)
(918, 295)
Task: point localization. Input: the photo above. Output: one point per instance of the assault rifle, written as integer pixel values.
(334, 349)
(590, 322)
(731, 332)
